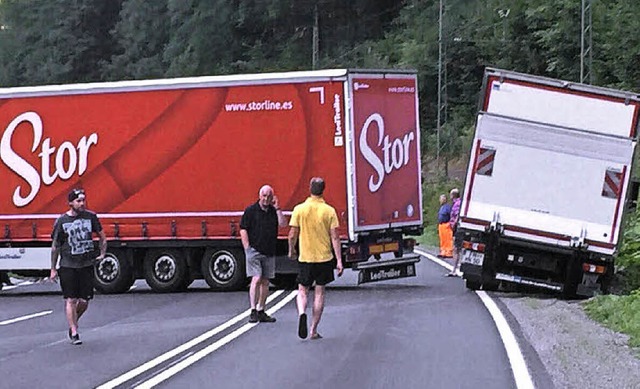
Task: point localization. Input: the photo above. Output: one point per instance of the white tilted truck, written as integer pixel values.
(547, 184)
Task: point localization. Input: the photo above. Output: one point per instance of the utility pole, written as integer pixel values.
(316, 39)
(586, 44)
(442, 82)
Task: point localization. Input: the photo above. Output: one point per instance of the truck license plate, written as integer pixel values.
(472, 257)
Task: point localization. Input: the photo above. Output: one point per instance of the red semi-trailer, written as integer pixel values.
(169, 166)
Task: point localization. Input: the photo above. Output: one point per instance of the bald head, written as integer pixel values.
(316, 186)
(265, 190)
(265, 196)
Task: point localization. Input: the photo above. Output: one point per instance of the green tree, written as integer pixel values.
(141, 33)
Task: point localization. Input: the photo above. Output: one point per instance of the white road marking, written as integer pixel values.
(22, 318)
(180, 349)
(518, 364)
(173, 370)
(519, 367)
(25, 283)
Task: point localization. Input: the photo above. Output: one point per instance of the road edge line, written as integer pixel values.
(519, 367)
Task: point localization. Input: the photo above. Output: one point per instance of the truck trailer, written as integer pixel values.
(547, 184)
(170, 165)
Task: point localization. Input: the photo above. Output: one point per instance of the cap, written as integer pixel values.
(76, 194)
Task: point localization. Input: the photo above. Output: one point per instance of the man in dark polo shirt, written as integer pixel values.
(259, 234)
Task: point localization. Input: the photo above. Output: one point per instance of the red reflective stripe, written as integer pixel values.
(468, 194)
(485, 161)
(617, 211)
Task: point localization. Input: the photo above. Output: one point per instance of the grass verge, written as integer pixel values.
(619, 313)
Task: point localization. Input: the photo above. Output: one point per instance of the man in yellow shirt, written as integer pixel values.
(316, 224)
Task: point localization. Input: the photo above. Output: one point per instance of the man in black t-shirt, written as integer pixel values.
(259, 234)
(73, 242)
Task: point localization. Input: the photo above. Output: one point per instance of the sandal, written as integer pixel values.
(316, 336)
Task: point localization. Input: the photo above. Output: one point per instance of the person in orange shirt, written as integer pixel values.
(315, 223)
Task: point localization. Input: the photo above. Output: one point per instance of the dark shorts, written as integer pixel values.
(321, 273)
(76, 283)
(458, 237)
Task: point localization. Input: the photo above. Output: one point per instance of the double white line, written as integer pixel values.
(193, 358)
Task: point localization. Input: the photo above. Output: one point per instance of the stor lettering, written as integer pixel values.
(395, 153)
(67, 159)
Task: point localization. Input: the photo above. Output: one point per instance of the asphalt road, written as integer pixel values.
(426, 331)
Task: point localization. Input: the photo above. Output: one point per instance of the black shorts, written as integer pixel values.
(321, 273)
(76, 283)
(458, 237)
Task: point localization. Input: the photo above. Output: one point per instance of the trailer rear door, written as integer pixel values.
(383, 152)
(551, 164)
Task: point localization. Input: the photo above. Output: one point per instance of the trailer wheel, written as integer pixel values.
(113, 274)
(165, 270)
(223, 269)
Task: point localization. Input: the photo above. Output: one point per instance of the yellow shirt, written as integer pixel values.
(315, 218)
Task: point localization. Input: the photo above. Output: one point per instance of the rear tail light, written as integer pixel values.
(590, 268)
(353, 253)
(473, 246)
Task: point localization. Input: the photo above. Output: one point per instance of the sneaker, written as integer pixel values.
(264, 318)
(75, 339)
(69, 333)
(302, 326)
(253, 318)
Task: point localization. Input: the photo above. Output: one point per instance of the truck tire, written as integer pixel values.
(472, 285)
(223, 269)
(113, 274)
(572, 278)
(165, 270)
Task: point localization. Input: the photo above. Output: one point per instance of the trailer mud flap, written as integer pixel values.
(387, 270)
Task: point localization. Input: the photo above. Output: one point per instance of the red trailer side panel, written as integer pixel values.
(158, 164)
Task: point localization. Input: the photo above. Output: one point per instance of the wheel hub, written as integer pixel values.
(108, 269)
(165, 268)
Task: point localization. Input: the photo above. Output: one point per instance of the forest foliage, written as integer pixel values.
(69, 41)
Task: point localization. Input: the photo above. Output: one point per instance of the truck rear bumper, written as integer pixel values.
(387, 269)
(529, 281)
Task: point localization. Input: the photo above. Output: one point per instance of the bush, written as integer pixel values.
(619, 313)
(628, 260)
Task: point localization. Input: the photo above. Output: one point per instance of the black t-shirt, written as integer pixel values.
(262, 228)
(74, 235)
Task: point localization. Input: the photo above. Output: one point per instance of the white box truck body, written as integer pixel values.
(547, 183)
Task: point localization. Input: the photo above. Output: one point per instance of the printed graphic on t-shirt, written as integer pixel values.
(79, 236)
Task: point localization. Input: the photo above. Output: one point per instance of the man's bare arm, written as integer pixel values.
(294, 232)
(244, 237)
(282, 220)
(337, 248)
(102, 244)
(55, 252)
